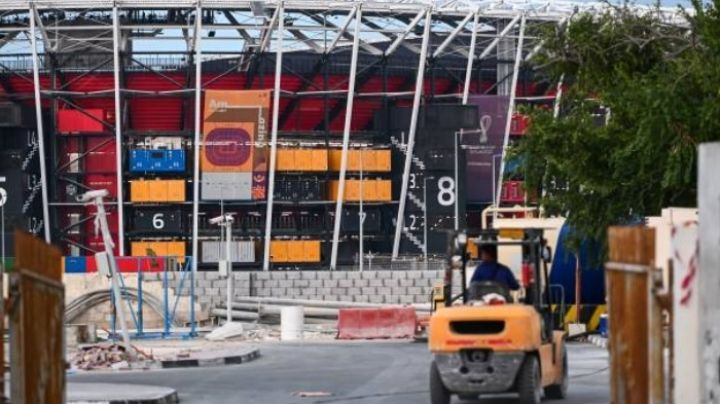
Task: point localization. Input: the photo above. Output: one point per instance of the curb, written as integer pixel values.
(111, 393)
(169, 399)
(598, 341)
(211, 362)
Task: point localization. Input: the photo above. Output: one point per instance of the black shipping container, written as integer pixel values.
(351, 220)
(158, 220)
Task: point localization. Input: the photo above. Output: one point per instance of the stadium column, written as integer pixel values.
(197, 44)
(274, 134)
(346, 139)
(511, 107)
(471, 56)
(118, 131)
(411, 133)
(39, 122)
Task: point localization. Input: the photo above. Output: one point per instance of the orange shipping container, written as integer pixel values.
(285, 160)
(295, 251)
(383, 160)
(159, 248)
(278, 251)
(312, 250)
(319, 160)
(384, 190)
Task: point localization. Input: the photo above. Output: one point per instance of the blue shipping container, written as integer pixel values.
(157, 161)
(75, 264)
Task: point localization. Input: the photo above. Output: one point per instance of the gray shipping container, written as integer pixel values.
(226, 186)
(240, 251)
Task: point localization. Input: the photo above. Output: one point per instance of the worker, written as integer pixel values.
(490, 269)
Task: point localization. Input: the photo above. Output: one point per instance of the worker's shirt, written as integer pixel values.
(495, 272)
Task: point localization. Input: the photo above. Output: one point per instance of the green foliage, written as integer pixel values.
(661, 84)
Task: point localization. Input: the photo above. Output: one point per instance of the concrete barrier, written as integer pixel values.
(380, 323)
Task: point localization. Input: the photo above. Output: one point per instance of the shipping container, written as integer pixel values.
(240, 251)
(372, 190)
(519, 124)
(159, 249)
(218, 186)
(157, 161)
(72, 121)
(512, 192)
(157, 190)
(368, 160)
(295, 251)
(158, 220)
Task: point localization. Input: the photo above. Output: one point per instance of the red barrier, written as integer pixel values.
(386, 322)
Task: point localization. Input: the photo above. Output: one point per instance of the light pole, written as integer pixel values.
(425, 221)
(361, 213)
(494, 181)
(458, 135)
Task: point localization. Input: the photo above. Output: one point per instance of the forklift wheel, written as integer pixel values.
(439, 394)
(559, 391)
(528, 382)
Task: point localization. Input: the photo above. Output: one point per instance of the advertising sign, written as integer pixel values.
(235, 136)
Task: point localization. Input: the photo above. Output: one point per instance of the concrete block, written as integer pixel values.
(368, 291)
(203, 284)
(354, 275)
(414, 274)
(414, 290)
(399, 275)
(323, 291)
(301, 283)
(308, 291)
(219, 283)
(293, 292)
(292, 275)
(407, 299)
(333, 298)
(377, 299)
(262, 275)
(345, 283)
(338, 291)
(330, 283)
(406, 282)
(399, 290)
(286, 283)
(263, 292)
(390, 282)
(376, 282)
(278, 275)
(361, 298)
(384, 291)
(384, 274)
(308, 275)
(368, 275)
(339, 275)
(354, 291)
(278, 292)
(209, 275)
(421, 299)
(316, 283)
(323, 274)
(346, 298)
(271, 284)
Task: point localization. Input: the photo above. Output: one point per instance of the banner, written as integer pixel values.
(484, 147)
(234, 150)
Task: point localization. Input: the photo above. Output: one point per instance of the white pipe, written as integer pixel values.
(280, 13)
(40, 128)
(502, 34)
(393, 47)
(346, 140)
(118, 133)
(471, 57)
(228, 260)
(196, 145)
(453, 34)
(411, 133)
(511, 108)
(344, 28)
(320, 303)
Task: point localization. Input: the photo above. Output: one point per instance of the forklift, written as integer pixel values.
(484, 342)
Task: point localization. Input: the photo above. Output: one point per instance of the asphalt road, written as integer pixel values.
(355, 373)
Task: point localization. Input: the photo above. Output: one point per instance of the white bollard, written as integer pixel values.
(291, 323)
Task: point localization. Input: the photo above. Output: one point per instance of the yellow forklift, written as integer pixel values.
(484, 342)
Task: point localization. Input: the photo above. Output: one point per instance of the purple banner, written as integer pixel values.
(484, 147)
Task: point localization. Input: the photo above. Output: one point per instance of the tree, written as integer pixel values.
(642, 94)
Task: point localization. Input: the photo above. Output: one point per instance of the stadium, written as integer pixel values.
(186, 110)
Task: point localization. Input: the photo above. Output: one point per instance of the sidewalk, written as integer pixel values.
(112, 393)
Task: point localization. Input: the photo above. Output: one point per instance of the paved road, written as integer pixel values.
(355, 373)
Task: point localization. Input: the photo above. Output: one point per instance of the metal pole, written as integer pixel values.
(471, 57)
(511, 108)
(361, 217)
(40, 128)
(411, 133)
(346, 139)
(274, 135)
(425, 221)
(118, 133)
(457, 184)
(228, 236)
(196, 145)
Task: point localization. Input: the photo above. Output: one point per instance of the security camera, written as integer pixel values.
(89, 196)
(216, 220)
